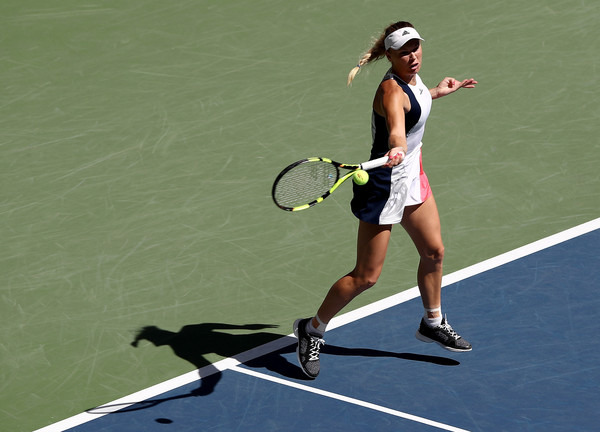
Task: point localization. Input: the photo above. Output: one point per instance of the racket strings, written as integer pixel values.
(304, 183)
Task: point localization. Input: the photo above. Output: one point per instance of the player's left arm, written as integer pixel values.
(450, 85)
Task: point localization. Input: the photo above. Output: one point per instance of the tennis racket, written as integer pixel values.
(309, 181)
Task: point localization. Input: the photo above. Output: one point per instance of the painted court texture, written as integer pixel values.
(138, 145)
(538, 373)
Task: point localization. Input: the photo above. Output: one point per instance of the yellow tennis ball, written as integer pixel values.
(360, 177)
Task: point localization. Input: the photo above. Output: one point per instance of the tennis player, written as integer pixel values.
(398, 193)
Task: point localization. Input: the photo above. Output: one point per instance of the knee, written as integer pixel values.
(434, 255)
(438, 254)
(368, 283)
(365, 281)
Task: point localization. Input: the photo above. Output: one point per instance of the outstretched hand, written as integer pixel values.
(450, 85)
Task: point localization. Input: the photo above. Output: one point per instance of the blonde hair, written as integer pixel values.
(377, 50)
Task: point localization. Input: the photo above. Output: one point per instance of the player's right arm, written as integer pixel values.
(392, 103)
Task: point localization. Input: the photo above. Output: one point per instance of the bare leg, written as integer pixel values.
(422, 223)
(372, 246)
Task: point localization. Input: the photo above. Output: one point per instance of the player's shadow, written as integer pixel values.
(368, 352)
(194, 342)
(277, 363)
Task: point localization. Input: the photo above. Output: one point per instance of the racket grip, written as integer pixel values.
(375, 163)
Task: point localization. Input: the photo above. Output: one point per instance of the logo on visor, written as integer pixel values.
(405, 33)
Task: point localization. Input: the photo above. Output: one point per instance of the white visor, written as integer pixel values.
(398, 38)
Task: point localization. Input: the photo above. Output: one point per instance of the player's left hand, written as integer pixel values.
(450, 85)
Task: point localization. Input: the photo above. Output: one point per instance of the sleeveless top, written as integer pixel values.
(388, 191)
(420, 107)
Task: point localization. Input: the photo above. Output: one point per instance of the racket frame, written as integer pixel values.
(375, 163)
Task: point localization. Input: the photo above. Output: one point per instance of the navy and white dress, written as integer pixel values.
(382, 199)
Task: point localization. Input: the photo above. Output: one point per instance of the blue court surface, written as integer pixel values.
(533, 320)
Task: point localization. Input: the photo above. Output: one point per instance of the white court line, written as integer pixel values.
(467, 272)
(347, 399)
(341, 320)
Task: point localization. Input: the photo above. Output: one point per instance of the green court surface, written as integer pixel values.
(139, 141)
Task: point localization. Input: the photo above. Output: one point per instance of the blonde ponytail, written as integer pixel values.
(363, 61)
(377, 51)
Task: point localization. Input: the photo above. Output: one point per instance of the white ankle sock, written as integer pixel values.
(320, 330)
(435, 320)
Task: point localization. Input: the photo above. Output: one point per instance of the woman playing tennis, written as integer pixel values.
(398, 193)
